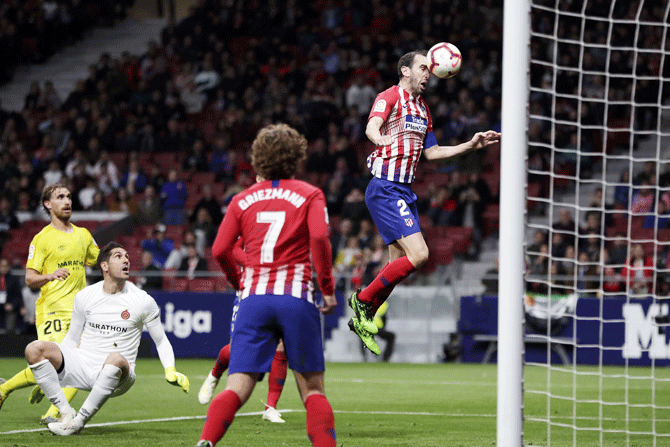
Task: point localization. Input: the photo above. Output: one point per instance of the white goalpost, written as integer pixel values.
(585, 224)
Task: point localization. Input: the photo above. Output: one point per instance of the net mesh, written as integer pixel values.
(598, 229)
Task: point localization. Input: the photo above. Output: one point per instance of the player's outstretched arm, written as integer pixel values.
(166, 354)
(478, 141)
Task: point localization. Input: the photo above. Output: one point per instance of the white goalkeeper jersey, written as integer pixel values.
(111, 323)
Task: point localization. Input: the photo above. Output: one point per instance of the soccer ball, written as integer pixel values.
(444, 60)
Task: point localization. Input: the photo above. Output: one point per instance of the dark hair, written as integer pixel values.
(106, 252)
(48, 191)
(406, 60)
(277, 151)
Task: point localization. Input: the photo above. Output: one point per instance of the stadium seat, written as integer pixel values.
(491, 219)
(178, 284)
(201, 285)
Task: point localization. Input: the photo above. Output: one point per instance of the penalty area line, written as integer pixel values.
(256, 413)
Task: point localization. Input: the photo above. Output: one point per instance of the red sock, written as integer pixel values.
(382, 286)
(221, 362)
(220, 415)
(320, 421)
(277, 378)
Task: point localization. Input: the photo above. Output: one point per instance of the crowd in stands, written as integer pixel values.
(32, 31)
(164, 135)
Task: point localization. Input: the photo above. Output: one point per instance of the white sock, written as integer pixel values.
(107, 381)
(47, 378)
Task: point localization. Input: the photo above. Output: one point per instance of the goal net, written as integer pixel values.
(598, 224)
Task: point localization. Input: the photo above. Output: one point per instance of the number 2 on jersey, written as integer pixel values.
(276, 220)
(403, 207)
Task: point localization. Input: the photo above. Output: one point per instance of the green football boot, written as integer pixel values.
(365, 336)
(363, 314)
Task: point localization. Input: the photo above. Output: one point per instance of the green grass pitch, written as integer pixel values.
(375, 405)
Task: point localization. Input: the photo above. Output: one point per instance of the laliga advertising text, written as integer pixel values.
(642, 333)
(182, 322)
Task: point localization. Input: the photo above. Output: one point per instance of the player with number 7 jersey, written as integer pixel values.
(283, 226)
(284, 212)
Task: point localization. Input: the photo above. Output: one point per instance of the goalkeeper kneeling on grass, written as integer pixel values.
(99, 351)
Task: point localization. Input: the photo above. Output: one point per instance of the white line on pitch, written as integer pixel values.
(256, 413)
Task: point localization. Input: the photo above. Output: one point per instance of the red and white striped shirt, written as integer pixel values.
(280, 224)
(407, 119)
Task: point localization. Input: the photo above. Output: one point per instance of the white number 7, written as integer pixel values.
(276, 220)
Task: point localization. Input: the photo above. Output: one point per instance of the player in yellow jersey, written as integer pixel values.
(56, 264)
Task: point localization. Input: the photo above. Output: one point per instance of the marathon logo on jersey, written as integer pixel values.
(107, 327)
(409, 222)
(293, 198)
(70, 264)
(416, 124)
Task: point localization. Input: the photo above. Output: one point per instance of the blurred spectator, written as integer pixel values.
(11, 299)
(611, 275)
(586, 271)
(618, 253)
(193, 99)
(207, 78)
(472, 200)
(366, 233)
(99, 202)
(242, 182)
(105, 160)
(122, 201)
(204, 228)
(8, 220)
(196, 159)
(49, 98)
(210, 204)
(128, 141)
(354, 208)
(539, 239)
(147, 138)
(106, 182)
(53, 174)
(149, 277)
(566, 226)
(157, 244)
(659, 220)
(345, 260)
(537, 272)
(86, 194)
(638, 271)
(31, 99)
(30, 297)
(643, 199)
(149, 209)
(339, 236)
(441, 206)
(133, 180)
(173, 197)
(319, 159)
(193, 263)
(155, 177)
(360, 96)
(178, 254)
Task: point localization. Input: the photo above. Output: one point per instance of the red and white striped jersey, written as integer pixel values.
(407, 119)
(280, 223)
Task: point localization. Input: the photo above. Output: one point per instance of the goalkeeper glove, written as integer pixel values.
(176, 379)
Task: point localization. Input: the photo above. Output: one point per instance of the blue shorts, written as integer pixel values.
(393, 208)
(262, 320)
